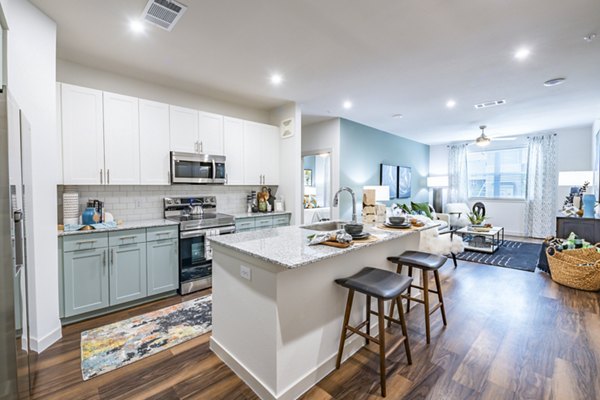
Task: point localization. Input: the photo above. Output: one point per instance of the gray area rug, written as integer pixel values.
(512, 254)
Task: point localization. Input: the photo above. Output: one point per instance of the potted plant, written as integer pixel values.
(476, 217)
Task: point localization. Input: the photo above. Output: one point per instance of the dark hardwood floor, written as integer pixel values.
(511, 335)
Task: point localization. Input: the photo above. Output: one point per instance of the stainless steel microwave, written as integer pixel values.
(197, 168)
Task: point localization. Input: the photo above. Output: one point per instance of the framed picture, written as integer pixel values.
(404, 182)
(388, 176)
(308, 181)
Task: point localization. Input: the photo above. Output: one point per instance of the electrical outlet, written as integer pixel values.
(138, 204)
(245, 272)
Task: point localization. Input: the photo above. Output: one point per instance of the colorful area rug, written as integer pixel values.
(113, 346)
(512, 254)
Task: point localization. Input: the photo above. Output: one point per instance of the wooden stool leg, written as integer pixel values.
(404, 330)
(381, 345)
(426, 303)
(440, 297)
(391, 313)
(368, 307)
(344, 327)
(410, 274)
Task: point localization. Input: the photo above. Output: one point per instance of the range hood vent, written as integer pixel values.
(163, 13)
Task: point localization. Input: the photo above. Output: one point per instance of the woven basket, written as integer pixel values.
(577, 268)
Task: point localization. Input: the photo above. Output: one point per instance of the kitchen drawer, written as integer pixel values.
(131, 236)
(281, 220)
(162, 232)
(263, 222)
(244, 224)
(86, 241)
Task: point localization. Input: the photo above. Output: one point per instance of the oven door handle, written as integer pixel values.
(191, 234)
(228, 229)
(214, 169)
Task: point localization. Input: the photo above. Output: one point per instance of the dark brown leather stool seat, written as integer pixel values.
(419, 259)
(383, 285)
(377, 283)
(426, 263)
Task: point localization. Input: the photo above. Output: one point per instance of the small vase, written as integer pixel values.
(589, 202)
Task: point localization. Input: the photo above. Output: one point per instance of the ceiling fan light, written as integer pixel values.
(482, 141)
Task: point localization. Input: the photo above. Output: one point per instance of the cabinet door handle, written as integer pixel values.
(112, 256)
(108, 176)
(196, 147)
(104, 259)
(101, 176)
(201, 147)
(226, 178)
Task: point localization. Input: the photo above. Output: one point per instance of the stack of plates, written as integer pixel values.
(405, 225)
(70, 208)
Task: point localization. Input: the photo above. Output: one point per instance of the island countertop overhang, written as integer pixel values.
(288, 246)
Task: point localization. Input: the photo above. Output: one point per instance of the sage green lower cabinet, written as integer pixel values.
(127, 273)
(102, 270)
(85, 282)
(261, 221)
(162, 264)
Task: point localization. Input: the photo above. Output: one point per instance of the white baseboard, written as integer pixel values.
(39, 345)
(296, 389)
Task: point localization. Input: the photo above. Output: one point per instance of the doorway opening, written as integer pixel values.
(316, 193)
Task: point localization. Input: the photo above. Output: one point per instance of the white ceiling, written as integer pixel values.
(387, 57)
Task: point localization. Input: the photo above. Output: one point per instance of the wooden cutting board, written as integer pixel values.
(339, 245)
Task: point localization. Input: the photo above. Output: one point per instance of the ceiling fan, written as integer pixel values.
(484, 140)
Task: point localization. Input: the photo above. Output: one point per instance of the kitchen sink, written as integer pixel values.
(325, 226)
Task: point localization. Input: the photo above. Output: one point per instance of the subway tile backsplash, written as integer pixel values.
(137, 203)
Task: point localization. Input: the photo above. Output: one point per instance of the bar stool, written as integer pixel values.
(425, 262)
(383, 285)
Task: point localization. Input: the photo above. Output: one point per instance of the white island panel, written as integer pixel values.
(280, 330)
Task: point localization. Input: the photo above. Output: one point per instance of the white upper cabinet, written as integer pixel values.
(60, 178)
(270, 155)
(82, 135)
(184, 129)
(210, 133)
(154, 143)
(121, 139)
(252, 153)
(233, 146)
(261, 154)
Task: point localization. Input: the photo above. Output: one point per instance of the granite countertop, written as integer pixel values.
(259, 214)
(125, 225)
(288, 246)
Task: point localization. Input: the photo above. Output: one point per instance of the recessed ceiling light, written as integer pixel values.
(522, 53)
(450, 103)
(397, 116)
(589, 37)
(554, 82)
(137, 26)
(347, 104)
(276, 79)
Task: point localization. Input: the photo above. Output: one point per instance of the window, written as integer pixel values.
(498, 173)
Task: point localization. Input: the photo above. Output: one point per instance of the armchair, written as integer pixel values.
(458, 214)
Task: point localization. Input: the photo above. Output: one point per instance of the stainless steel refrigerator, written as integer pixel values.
(14, 328)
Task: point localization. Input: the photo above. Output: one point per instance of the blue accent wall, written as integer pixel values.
(363, 148)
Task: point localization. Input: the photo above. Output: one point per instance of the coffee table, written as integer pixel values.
(485, 242)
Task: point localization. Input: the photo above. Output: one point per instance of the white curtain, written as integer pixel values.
(542, 180)
(458, 179)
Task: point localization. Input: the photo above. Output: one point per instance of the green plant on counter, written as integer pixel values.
(476, 217)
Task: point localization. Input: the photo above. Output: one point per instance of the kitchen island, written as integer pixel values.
(277, 313)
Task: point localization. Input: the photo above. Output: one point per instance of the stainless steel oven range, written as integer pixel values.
(198, 219)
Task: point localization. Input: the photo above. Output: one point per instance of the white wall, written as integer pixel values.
(77, 74)
(290, 162)
(31, 79)
(574, 154)
(320, 137)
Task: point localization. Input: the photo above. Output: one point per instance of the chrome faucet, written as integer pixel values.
(336, 200)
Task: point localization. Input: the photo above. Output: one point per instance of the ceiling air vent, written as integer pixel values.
(490, 104)
(163, 13)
